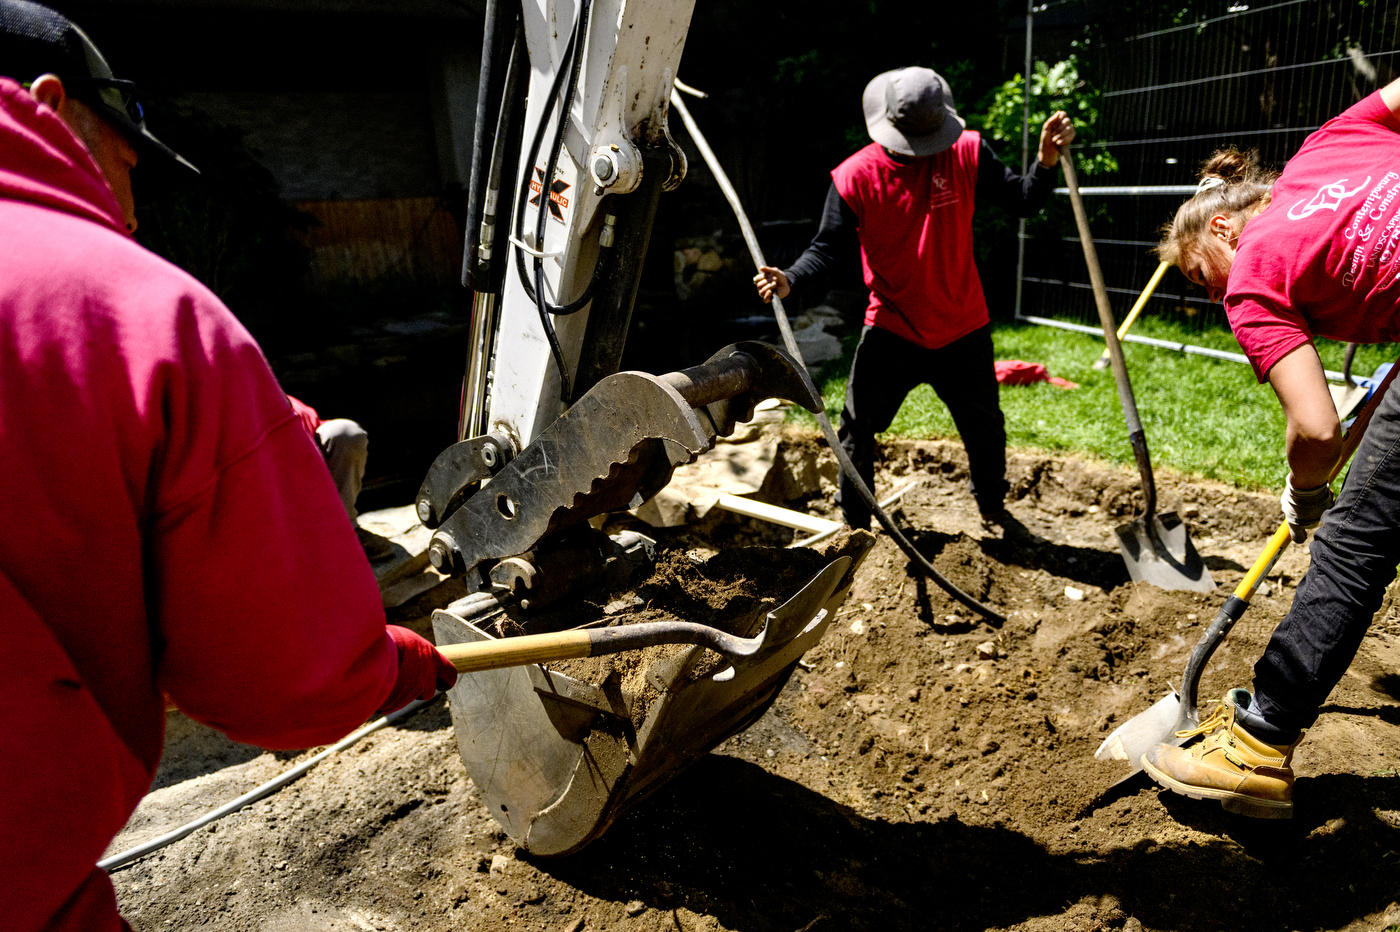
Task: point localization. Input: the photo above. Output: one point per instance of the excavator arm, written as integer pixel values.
(572, 154)
(576, 93)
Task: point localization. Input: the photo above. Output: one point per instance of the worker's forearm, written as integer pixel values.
(1314, 438)
(835, 237)
(1311, 458)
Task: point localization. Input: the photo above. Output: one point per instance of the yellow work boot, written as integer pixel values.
(1247, 775)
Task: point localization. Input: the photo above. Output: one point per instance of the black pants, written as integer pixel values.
(887, 368)
(1354, 555)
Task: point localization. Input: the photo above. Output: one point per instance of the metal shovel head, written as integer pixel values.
(1347, 398)
(1143, 732)
(1160, 724)
(1161, 553)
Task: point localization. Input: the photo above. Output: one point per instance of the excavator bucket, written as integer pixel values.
(557, 759)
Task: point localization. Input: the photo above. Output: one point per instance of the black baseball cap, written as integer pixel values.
(36, 40)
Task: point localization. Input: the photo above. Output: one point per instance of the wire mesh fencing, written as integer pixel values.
(1177, 84)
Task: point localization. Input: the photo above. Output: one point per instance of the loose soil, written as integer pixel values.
(921, 770)
(731, 590)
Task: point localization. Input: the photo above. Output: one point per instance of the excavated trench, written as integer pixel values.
(921, 770)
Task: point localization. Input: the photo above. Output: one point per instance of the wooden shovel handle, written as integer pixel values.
(1136, 435)
(517, 651)
(1100, 291)
(589, 642)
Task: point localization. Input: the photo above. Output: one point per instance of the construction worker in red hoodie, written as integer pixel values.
(168, 523)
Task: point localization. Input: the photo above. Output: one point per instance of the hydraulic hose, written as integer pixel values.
(847, 467)
(569, 65)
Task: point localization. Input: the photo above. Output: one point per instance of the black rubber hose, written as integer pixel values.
(560, 310)
(566, 381)
(495, 65)
(847, 467)
(570, 65)
(569, 57)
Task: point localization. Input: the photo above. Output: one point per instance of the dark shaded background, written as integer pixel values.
(346, 81)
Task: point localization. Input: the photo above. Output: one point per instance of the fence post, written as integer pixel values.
(1025, 154)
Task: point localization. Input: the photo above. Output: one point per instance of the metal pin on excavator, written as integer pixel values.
(571, 154)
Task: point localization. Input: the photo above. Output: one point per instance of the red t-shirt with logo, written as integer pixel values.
(1321, 260)
(915, 226)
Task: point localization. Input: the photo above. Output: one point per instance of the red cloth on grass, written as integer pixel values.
(1016, 372)
(165, 524)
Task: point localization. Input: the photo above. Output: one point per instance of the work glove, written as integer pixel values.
(422, 670)
(1303, 508)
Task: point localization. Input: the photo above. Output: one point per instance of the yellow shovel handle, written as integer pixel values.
(1141, 302)
(1261, 567)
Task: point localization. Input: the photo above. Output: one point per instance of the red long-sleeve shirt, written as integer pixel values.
(166, 523)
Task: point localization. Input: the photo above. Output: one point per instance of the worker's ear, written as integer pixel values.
(1223, 226)
(48, 90)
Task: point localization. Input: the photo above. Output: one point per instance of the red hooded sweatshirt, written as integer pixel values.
(165, 524)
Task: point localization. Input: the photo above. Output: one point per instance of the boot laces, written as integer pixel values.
(1219, 718)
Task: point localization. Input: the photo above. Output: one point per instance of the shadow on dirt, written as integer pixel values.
(1020, 547)
(1388, 714)
(943, 624)
(193, 750)
(1387, 684)
(760, 852)
(1222, 563)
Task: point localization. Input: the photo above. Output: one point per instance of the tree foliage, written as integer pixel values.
(1053, 87)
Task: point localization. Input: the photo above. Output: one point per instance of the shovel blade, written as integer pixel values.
(1143, 732)
(1161, 553)
(1347, 398)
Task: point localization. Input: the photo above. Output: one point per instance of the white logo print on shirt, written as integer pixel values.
(1328, 197)
(941, 192)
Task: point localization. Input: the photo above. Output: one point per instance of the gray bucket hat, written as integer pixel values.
(910, 111)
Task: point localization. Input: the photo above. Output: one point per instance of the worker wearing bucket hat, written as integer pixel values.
(910, 111)
(906, 201)
(170, 527)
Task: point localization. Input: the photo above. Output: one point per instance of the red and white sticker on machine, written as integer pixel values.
(558, 196)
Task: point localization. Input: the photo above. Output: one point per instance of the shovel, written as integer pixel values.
(1156, 548)
(1103, 361)
(475, 656)
(1175, 713)
(1346, 397)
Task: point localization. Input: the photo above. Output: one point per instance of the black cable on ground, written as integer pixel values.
(847, 467)
(267, 789)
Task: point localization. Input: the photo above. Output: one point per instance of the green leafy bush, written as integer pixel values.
(1053, 87)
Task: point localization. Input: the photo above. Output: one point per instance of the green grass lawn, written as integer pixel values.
(1202, 416)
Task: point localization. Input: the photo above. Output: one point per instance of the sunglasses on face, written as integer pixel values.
(117, 94)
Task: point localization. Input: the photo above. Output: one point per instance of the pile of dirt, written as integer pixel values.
(922, 770)
(731, 590)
